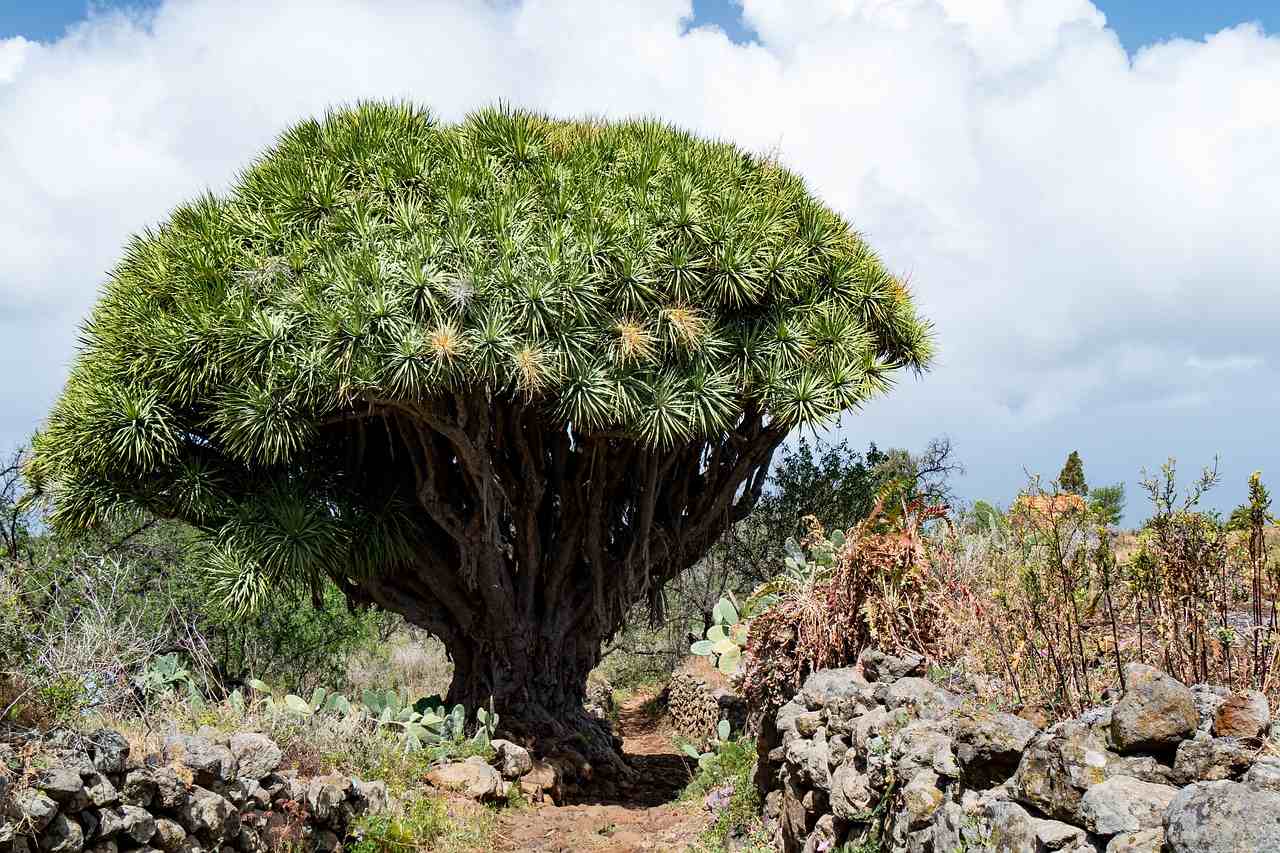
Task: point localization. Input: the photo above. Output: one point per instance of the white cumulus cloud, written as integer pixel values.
(1092, 232)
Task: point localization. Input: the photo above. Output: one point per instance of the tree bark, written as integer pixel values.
(535, 540)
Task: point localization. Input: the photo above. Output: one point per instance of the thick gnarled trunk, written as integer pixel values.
(536, 541)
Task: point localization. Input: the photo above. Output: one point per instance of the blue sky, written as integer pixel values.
(1137, 22)
(1088, 220)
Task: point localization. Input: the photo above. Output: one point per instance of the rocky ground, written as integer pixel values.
(642, 815)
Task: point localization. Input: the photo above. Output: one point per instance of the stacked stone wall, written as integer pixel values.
(878, 751)
(76, 793)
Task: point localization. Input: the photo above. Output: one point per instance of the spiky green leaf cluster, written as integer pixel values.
(625, 277)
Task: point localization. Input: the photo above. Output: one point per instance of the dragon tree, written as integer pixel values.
(505, 377)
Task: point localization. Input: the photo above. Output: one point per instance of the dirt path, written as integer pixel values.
(646, 816)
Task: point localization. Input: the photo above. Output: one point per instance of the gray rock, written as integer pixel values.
(169, 835)
(1145, 767)
(921, 697)
(1155, 713)
(30, 807)
(786, 721)
(255, 754)
(810, 761)
(107, 846)
(924, 744)
(161, 787)
(1265, 773)
(326, 794)
(865, 727)
(136, 824)
(1223, 817)
(513, 760)
(823, 837)
(851, 794)
(808, 723)
(472, 777)
(127, 822)
(1013, 830)
(1124, 804)
(881, 667)
(1243, 715)
(1058, 766)
(62, 835)
(109, 751)
(1142, 841)
(1209, 699)
(1206, 759)
(989, 745)
(65, 786)
(209, 814)
(372, 796)
(211, 763)
(920, 798)
(99, 790)
(830, 686)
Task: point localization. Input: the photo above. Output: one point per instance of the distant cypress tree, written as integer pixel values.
(1071, 480)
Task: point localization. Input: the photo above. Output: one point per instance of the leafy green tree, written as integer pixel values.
(505, 377)
(1107, 503)
(1071, 478)
(15, 517)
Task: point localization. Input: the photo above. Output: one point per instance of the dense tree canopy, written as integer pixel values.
(514, 371)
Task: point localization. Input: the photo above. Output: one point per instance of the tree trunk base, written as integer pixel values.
(583, 746)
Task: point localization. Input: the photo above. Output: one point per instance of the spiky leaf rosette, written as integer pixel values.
(395, 333)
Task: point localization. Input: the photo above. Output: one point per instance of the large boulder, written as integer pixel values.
(209, 815)
(65, 786)
(880, 666)
(473, 777)
(513, 760)
(255, 754)
(1244, 715)
(1223, 817)
(1058, 766)
(31, 808)
(62, 835)
(109, 751)
(211, 763)
(989, 745)
(1125, 804)
(1155, 713)
(1208, 759)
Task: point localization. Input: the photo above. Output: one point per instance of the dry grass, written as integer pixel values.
(412, 660)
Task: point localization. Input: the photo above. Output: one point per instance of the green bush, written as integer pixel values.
(731, 766)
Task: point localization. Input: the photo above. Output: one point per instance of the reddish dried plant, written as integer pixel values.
(879, 591)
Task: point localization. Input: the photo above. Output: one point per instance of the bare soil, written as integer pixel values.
(644, 816)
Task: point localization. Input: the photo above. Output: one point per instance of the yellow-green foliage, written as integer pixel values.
(626, 277)
(424, 824)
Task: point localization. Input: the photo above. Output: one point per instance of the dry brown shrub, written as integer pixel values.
(879, 591)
